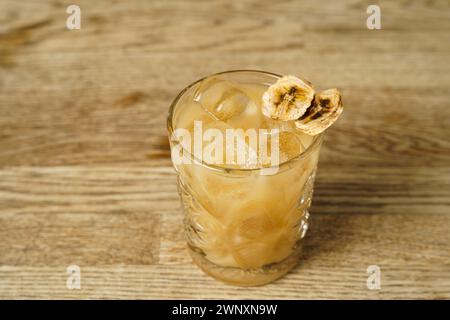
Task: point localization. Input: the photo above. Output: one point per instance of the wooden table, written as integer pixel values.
(85, 174)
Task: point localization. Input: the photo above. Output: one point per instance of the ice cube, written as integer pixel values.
(210, 90)
(231, 149)
(242, 149)
(250, 117)
(221, 98)
(188, 113)
(290, 146)
(255, 92)
(294, 142)
(287, 126)
(233, 103)
(214, 145)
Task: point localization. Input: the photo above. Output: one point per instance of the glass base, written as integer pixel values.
(246, 278)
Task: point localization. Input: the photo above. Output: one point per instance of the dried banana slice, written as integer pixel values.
(323, 112)
(287, 99)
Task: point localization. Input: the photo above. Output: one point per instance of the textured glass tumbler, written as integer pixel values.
(243, 227)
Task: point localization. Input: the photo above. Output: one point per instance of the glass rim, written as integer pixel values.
(317, 139)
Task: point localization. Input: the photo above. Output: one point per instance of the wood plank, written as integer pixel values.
(338, 251)
(87, 204)
(55, 239)
(85, 172)
(92, 216)
(369, 133)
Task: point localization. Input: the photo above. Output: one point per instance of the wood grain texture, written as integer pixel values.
(85, 173)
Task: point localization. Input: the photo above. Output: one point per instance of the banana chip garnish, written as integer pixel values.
(291, 98)
(287, 99)
(323, 112)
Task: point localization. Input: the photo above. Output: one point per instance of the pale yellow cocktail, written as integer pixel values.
(243, 226)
